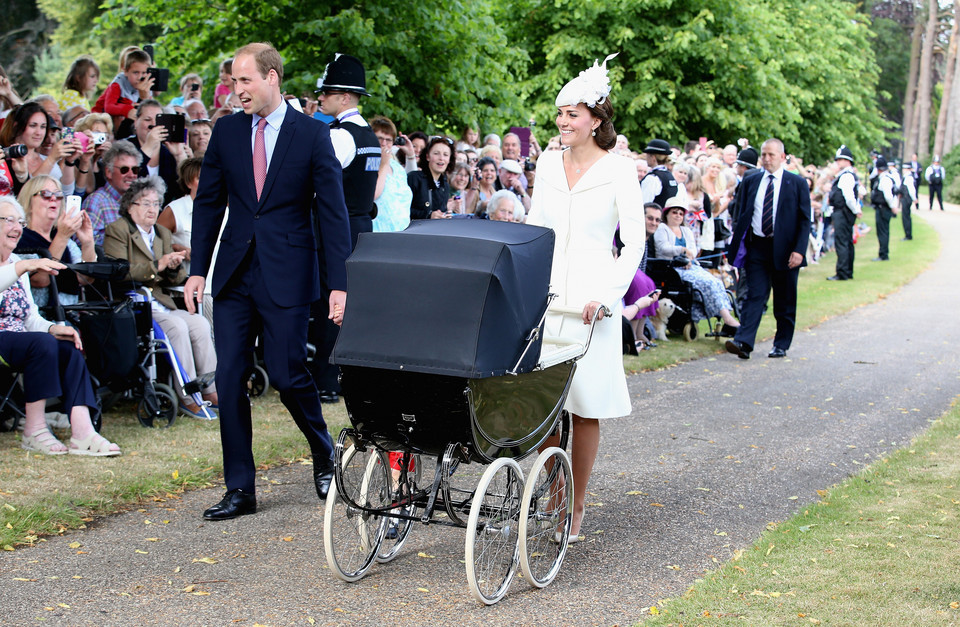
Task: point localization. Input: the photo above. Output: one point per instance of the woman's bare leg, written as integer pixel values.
(586, 443)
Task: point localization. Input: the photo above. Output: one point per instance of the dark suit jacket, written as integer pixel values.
(303, 164)
(122, 240)
(791, 229)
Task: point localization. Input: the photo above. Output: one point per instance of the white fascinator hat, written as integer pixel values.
(591, 87)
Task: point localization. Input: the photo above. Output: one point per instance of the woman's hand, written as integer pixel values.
(455, 205)
(49, 266)
(85, 232)
(590, 310)
(68, 334)
(170, 260)
(406, 148)
(68, 224)
(179, 248)
(437, 215)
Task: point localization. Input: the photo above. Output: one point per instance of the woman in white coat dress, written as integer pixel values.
(582, 193)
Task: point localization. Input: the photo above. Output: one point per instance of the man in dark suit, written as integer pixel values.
(769, 240)
(273, 166)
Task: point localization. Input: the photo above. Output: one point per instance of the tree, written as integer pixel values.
(925, 81)
(949, 75)
(430, 65)
(802, 71)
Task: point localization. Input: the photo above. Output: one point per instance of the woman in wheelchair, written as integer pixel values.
(148, 247)
(38, 348)
(50, 227)
(673, 239)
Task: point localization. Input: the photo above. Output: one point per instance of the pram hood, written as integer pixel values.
(450, 297)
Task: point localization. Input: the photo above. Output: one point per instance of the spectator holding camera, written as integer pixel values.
(27, 126)
(127, 89)
(484, 185)
(392, 195)
(161, 154)
(98, 127)
(191, 88)
(81, 83)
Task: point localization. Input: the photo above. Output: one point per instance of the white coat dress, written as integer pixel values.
(584, 268)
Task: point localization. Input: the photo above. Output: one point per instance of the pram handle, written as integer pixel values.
(573, 311)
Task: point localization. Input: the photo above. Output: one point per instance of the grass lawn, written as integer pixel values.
(880, 549)
(43, 495)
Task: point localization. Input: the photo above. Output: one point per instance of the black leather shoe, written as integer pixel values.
(329, 396)
(836, 278)
(321, 479)
(880, 259)
(738, 348)
(777, 352)
(233, 504)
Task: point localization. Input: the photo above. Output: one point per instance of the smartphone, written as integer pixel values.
(161, 78)
(176, 126)
(656, 291)
(148, 48)
(73, 205)
(702, 143)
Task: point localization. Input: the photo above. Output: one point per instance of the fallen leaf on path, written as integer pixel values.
(74, 545)
(205, 560)
(422, 554)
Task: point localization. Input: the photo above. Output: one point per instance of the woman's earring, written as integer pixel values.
(594, 134)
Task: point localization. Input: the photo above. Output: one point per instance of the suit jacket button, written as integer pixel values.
(256, 217)
(249, 241)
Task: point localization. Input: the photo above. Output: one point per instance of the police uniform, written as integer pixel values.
(845, 202)
(884, 200)
(934, 176)
(658, 185)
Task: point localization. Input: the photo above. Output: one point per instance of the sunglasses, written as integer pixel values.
(48, 195)
(446, 139)
(129, 168)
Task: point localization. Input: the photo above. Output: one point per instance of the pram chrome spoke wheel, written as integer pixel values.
(352, 535)
(545, 517)
(165, 412)
(258, 382)
(399, 528)
(493, 531)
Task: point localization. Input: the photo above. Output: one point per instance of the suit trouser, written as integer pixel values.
(883, 229)
(762, 276)
(241, 309)
(907, 220)
(843, 220)
(936, 190)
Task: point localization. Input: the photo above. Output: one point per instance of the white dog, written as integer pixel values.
(659, 321)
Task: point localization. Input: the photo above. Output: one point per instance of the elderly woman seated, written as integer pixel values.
(47, 354)
(148, 247)
(674, 239)
(504, 206)
(50, 227)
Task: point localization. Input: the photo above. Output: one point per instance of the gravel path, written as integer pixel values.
(715, 450)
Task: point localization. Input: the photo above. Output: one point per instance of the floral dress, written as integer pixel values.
(14, 308)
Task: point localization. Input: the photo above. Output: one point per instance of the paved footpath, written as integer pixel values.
(715, 449)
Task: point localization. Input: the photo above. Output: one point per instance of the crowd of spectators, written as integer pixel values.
(118, 153)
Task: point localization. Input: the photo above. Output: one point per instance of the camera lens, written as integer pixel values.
(16, 151)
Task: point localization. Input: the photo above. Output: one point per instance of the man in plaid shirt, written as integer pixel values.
(121, 167)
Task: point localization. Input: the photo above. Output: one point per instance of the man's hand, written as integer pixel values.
(795, 260)
(193, 292)
(338, 303)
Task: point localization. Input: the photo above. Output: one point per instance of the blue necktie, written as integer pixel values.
(766, 218)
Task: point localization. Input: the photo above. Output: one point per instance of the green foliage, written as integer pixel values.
(430, 66)
(802, 71)
(951, 167)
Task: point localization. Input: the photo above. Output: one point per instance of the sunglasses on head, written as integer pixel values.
(446, 139)
(48, 195)
(129, 168)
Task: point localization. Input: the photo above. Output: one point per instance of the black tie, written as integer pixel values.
(766, 218)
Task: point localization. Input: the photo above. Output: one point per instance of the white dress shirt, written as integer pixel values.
(757, 223)
(270, 132)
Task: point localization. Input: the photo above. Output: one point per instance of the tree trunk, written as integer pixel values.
(953, 127)
(910, 98)
(924, 87)
(946, 103)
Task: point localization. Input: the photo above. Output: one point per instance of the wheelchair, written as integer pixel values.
(664, 274)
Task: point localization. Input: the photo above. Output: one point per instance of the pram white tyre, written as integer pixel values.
(167, 404)
(547, 495)
(352, 536)
(390, 547)
(492, 543)
(258, 383)
(690, 331)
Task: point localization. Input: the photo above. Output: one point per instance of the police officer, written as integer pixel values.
(884, 201)
(845, 201)
(658, 185)
(355, 144)
(934, 176)
(908, 196)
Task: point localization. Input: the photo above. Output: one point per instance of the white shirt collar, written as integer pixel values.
(777, 174)
(275, 118)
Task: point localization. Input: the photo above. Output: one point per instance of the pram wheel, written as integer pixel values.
(690, 331)
(547, 494)
(166, 408)
(258, 383)
(493, 531)
(399, 528)
(351, 536)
